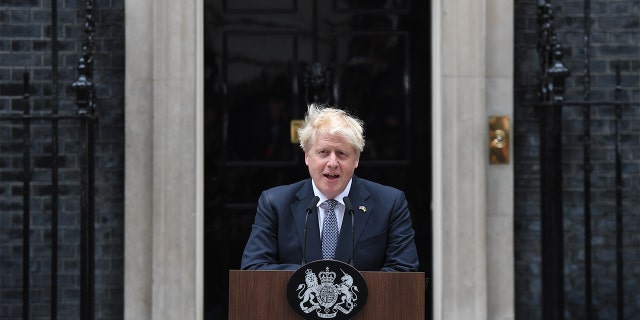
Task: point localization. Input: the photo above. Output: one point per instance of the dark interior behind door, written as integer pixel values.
(265, 60)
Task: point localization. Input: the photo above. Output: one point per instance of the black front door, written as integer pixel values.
(264, 62)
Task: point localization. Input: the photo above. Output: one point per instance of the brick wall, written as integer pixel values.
(615, 41)
(25, 47)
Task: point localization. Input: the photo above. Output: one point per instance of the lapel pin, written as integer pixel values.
(362, 208)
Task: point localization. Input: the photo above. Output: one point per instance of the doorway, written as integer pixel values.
(264, 62)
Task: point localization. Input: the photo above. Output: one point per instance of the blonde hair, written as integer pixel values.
(333, 121)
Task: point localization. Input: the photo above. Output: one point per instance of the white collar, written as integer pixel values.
(324, 198)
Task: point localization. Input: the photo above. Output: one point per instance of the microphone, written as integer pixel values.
(309, 209)
(349, 209)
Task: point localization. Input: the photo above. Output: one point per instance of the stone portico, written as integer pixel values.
(472, 63)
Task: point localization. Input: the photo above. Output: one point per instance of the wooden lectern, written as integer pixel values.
(263, 295)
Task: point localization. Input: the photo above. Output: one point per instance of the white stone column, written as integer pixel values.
(163, 160)
(500, 178)
(473, 201)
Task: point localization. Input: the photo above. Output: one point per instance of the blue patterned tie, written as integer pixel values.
(330, 231)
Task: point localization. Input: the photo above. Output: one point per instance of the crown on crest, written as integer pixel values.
(309, 274)
(327, 276)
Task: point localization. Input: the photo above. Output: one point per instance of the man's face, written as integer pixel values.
(331, 161)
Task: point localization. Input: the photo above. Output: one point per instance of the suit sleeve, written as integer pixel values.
(401, 253)
(261, 251)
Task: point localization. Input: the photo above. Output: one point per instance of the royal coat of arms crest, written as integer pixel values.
(322, 295)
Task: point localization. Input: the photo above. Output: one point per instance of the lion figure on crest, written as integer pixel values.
(311, 292)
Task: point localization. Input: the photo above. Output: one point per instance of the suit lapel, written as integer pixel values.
(360, 197)
(314, 245)
(343, 251)
(298, 211)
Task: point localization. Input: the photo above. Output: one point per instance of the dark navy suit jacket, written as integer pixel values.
(384, 237)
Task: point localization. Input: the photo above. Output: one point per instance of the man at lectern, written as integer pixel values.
(335, 214)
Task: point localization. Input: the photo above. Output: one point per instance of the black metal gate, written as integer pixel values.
(554, 109)
(47, 190)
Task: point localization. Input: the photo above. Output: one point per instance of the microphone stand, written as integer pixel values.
(309, 209)
(349, 209)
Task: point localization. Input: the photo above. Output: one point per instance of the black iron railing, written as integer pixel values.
(32, 126)
(552, 102)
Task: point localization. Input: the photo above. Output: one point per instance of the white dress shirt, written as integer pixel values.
(322, 205)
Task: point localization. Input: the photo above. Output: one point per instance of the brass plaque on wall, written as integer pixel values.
(295, 125)
(499, 131)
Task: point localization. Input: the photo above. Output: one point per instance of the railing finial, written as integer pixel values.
(83, 86)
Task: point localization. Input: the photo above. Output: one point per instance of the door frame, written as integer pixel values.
(472, 234)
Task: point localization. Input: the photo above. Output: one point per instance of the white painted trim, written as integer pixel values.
(437, 149)
(164, 160)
